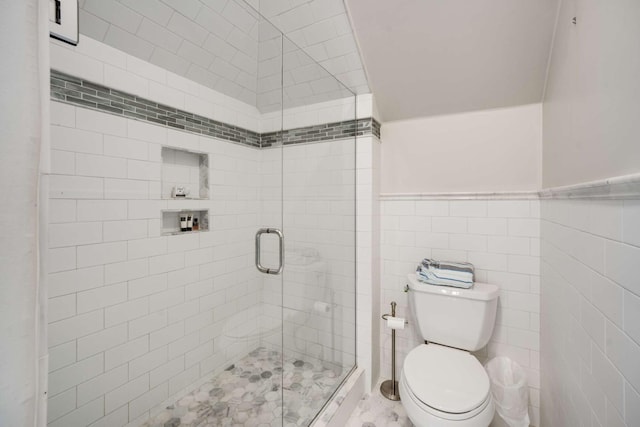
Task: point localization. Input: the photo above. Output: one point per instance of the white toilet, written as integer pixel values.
(442, 384)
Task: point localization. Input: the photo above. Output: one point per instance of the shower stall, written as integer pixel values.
(248, 320)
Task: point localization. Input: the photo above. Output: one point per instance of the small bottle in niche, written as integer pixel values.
(189, 221)
(183, 222)
(196, 226)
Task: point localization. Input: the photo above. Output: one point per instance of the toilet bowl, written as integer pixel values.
(445, 387)
(442, 384)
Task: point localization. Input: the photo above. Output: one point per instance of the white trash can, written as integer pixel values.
(510, 391)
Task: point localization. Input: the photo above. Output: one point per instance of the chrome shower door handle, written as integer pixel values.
(259, 266)
(280, 251)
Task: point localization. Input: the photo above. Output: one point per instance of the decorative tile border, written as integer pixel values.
(481, 195)
(79, 92)
(620, 187)
(375, 128)
(73, 90)
(323, 132)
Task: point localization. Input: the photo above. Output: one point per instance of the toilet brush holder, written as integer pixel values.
(389, 388)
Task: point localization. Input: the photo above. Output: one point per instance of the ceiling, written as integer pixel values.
(422, 57)
(433, 57)
(227, 46)
(322, 29)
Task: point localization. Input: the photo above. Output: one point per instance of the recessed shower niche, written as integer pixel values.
(172, 221)
(185, 174)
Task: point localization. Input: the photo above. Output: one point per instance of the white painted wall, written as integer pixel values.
(24, 165)
(590, 313)
(492, 150)
(591, 106)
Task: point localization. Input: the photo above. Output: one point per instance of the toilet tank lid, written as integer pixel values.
(479, 291)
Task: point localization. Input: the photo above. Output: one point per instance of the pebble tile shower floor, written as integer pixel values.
(249, 394)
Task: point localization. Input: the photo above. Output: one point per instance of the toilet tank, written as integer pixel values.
(460, 318)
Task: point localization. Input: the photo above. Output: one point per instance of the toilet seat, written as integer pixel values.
(407, 394)
(422, 415)
(448, 383)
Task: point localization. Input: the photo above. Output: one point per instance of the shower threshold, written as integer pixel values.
(252, 391)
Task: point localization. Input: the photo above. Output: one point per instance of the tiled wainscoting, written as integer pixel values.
(591, 312)
(500, 237)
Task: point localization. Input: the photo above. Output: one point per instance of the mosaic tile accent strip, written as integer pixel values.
(73, 90)
(79, 92)
(249, 393)
(375, 128)
(323, 132)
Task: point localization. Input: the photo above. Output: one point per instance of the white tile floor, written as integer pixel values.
(374, 410)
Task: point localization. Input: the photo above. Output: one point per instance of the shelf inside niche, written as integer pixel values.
(183, 168)
(171, 221)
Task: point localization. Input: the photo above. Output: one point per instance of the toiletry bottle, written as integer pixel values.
(196, 226)
(183, 222)
(189, 221)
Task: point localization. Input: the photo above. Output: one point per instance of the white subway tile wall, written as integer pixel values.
(172, 309)
(501, 238)
(135, 316)
(590, 312)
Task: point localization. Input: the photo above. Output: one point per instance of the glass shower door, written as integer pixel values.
(318, 208)
(306, 240)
